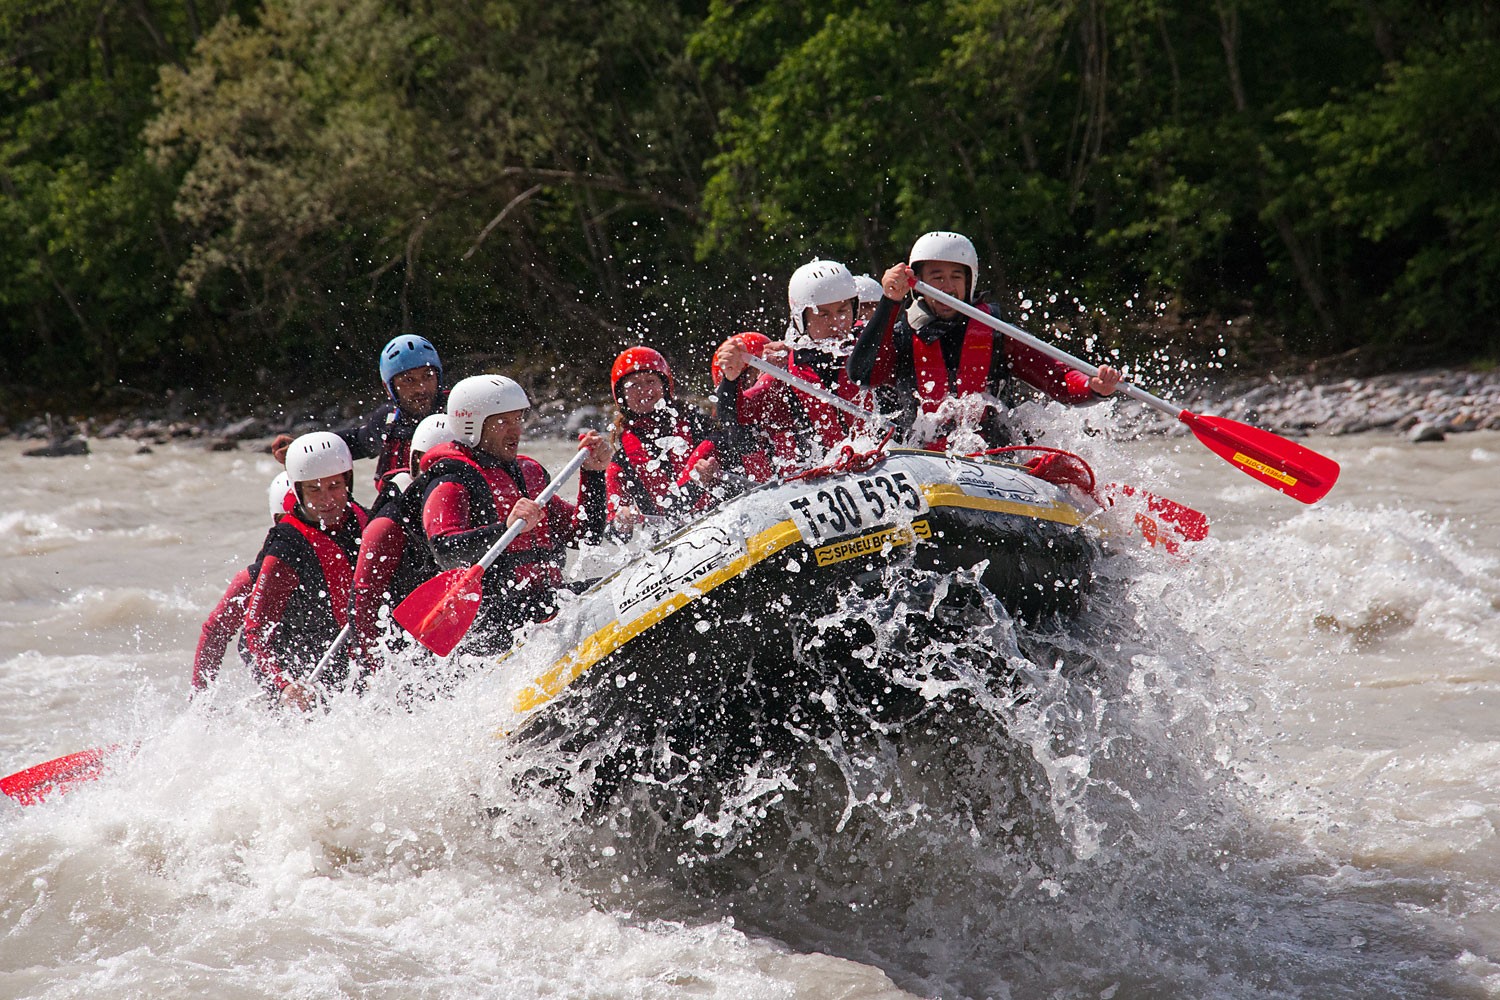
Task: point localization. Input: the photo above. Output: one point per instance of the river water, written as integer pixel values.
(1291, 791)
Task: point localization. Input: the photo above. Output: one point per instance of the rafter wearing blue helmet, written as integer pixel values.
(412, 373)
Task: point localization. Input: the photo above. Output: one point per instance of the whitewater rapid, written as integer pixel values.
(1275, 779)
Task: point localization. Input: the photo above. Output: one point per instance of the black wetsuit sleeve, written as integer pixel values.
(465, 548)
(366, 438)
(862, 358)
(732, 439)
(729, 397)
(595, 512)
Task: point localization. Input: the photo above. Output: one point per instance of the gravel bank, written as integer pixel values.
(1424, 405)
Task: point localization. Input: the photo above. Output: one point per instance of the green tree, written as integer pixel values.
(1409, 170)
(499, 175)
(85, 260)
(188, 189)
(1216, 155)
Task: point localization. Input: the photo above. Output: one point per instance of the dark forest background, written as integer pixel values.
(238, 196)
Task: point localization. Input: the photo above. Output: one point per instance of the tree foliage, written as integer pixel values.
(494, 174)
(190, 189)
(87, 245)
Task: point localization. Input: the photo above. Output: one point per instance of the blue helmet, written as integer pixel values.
(403, 354)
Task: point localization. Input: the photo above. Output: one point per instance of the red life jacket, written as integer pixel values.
(792, 417)
(758, 465)
(935, 383)
(394, 434)
(536, 555)
(830, 425)
(395, 456)
(338, 572)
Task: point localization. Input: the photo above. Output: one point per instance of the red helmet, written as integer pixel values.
(751, 340)
(639, 359)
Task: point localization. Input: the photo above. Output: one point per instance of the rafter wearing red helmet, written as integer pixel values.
(666, 462)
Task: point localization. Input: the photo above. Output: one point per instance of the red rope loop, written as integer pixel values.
(1061, 468)
(846, 460)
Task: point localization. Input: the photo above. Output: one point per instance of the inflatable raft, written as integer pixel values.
(764, 613)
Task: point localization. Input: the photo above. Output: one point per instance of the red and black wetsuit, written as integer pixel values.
(385, 435)
(924, 364)
(393, 560)
(300, 601)
(794, 421)
(652, 468)
(223, 624)
(464, 513)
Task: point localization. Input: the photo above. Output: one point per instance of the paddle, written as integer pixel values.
(1190, 524)
(817, 392)
(339, 642)
(32, 786)
(439, 612)
(1283, 465)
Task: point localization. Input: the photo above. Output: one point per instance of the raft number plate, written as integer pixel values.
(853, 505)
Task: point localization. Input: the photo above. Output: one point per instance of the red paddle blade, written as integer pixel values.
(1189, 524)
(1299, 472)
(438, 613)
(32, 786)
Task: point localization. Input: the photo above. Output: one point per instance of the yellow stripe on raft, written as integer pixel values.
(863, 545)
(610, 638)
(758, 548)
(951, 496)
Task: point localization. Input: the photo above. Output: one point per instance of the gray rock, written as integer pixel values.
(1384, 416)
(1340, 426)
(1426, 432)
(241, 430)
(585, 416)
(59, 449)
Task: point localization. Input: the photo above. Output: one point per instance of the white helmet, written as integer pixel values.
(952, 247)
(476, 399)
(431, 432)
(868, 288)
(819, 283)
(316, 455)
(280, 495)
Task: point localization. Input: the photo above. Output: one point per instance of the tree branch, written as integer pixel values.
(605, 183)
(485, 232)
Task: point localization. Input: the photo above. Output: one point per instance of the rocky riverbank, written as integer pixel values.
(182, 417)
(208, 422)
(1425, 405)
